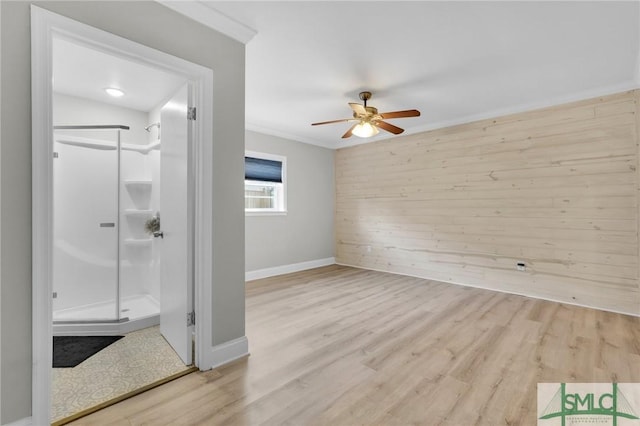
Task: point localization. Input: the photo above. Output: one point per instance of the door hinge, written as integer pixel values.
(191, 318)
(191, 113)
(55, 155)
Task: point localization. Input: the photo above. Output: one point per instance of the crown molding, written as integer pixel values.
(205, 14)
(284, 135)
(502, 112)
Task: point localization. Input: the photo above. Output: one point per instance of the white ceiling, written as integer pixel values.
(454, 61)
(85, 73)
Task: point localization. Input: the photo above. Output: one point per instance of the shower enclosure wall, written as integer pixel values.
(105, 266)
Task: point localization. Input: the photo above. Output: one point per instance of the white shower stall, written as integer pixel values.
(106, 266)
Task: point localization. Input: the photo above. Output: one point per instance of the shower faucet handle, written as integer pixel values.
(158, 234)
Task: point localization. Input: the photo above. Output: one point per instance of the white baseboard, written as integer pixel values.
(524, 294)
(228, 352)
(22, 422)
(287, 269)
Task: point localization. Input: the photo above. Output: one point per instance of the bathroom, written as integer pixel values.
(122, 224)
(107, 242)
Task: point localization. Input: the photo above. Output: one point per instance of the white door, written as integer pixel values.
(176, 294)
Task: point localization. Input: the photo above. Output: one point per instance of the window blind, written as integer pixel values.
(262, 170)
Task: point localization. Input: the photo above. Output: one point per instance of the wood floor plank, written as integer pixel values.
(346, 346)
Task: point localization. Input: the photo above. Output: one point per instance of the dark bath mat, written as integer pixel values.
(69, 351)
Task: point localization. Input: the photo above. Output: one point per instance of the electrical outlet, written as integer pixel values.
(521, 266)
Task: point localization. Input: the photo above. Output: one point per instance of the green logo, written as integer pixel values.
(565, 404)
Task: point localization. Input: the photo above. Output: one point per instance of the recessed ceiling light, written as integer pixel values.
(112, 91)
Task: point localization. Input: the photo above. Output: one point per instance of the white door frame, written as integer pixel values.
(45, 26)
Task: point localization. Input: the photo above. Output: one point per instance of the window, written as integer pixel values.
(264, 183)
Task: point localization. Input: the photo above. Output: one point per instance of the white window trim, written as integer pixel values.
(264, 213)
(271, 212)
(279, 197)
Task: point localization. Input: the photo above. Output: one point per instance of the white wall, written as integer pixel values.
(156, 26)
(71, 110)
(306, 232)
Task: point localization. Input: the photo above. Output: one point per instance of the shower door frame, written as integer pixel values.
(118, 128)
(46, 25)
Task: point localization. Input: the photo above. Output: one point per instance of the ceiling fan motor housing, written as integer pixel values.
(372, 114)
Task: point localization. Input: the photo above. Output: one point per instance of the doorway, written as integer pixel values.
(119, 249)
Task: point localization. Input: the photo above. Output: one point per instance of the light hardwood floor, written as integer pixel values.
(345, 346)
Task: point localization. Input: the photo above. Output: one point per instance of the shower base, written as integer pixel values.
(141, 310)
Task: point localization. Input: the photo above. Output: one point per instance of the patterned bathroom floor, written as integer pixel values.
(139, 359)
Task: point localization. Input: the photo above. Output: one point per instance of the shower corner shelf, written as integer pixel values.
(138, 242)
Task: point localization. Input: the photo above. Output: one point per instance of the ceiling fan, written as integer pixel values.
(368, 119)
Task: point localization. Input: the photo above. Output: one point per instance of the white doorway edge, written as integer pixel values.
(44, 25)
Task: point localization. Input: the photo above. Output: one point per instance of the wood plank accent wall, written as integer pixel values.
(555, 188)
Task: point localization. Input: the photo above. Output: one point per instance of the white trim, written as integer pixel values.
(274, 132)
(42, 200)
(637, 70)
(258, 212)
(203, 225)
(287, 269)
(44, 26)
(501, 112)
(565, 302)
(206, 14)
(342, 143)
(266, 156)
(227, 352)
(27, 421)
(0, 211)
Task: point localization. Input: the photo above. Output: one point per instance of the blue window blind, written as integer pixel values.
(262, 170)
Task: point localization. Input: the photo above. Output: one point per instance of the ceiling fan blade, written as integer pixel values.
(389, 127)
(401, 114)
(357, 108)
(332, 121)
(348, 134)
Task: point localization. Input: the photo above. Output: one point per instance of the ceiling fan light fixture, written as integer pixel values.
(369, 121)
(365, 130)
